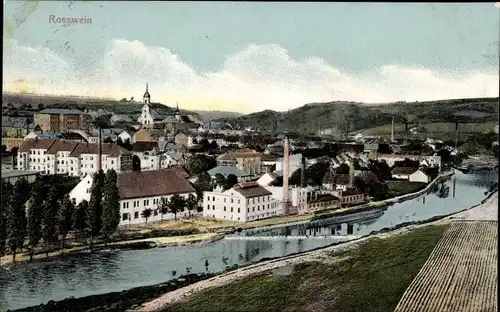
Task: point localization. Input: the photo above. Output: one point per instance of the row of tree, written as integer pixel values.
(173, 205)
(50, 219)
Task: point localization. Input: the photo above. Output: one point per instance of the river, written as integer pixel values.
(27, 284)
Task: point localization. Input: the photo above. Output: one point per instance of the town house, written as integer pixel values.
(141, 190)
(247, 201)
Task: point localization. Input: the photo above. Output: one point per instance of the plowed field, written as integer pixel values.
(460, 274)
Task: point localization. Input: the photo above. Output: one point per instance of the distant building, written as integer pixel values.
(13, 176)
(51, 156)
(61, 120)
(245, 159)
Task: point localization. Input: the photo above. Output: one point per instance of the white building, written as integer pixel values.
(410, 174)
(295, 162)
(419, 176)
(49, 156)
(148, 116)
(143, 190)
(248, 201)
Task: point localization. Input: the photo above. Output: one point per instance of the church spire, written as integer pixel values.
(147, 97)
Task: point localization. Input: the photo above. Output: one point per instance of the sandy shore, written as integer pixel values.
(486, 210)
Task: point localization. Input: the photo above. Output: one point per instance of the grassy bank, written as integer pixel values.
(398, 188)
(129, 244)
(372, 278)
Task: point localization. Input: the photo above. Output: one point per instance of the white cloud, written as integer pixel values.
(257, 78)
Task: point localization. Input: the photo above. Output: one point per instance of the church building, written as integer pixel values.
(148, 116)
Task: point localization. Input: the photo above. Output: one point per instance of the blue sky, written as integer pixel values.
(252, 56)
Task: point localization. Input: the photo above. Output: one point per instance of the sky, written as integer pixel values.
(251, 56)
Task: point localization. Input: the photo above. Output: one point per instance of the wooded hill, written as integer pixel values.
(349, 116)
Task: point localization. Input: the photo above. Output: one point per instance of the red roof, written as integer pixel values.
(163, 182)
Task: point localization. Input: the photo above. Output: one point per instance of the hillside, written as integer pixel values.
(117, 107)
(213, 115)
(348, 116)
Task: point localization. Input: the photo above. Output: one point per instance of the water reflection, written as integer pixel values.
(27, 284)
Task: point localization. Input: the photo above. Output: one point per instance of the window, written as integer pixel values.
(146, 202)
(125, 216)
(136, 214)
(238, 201)
(267, 206)
(224, 208)
(232, 201)
(224, 199)
(231, 209)
(253, 209)
(238, 211)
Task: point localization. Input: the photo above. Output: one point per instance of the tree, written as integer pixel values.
(199, 163)
(49, 219)
(146, 213)
(381, 169)
(164, 206)
(16, 218)
(295, 178)
(316, 173)
(342, 169)
(65, 220)
(4, 212)
(136, 163)
(177, 204)
(41, 106)
(107, 140)
(220, 180)
(35, 216)
(231, 181)
(203, 183)
(111, 205)
(80, 218)
(94, 212)
(191, 203)
(407, 163)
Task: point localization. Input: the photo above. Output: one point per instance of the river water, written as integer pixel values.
(27, 284)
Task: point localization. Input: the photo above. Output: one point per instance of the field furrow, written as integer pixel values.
(460, 274)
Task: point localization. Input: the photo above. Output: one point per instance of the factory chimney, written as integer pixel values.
(392, 130)
(351, 174)
(286, 165)
(456, 135)
(303, 172)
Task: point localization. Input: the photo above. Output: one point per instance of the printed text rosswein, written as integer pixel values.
(69, 20)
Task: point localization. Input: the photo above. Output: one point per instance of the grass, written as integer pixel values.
(371, 277)
(398, 188)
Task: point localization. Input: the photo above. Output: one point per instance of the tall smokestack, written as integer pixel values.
(456, 134)
(351, 174)
(286, 164)
(302, 172)
(392, 130)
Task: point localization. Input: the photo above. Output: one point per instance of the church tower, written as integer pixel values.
(147, 97)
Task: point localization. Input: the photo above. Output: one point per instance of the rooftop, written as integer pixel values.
(61, 111)
(163, 182)
(251, 189)
(227, 170)
(403, 170)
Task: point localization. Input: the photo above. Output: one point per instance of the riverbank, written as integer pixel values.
(154, 242)
(193, 231)
(322, 280)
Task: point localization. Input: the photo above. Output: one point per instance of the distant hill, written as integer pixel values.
(349, 116)
(213, 115)
(117, 107)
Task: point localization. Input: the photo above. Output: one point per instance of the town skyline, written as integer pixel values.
(437, 55)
